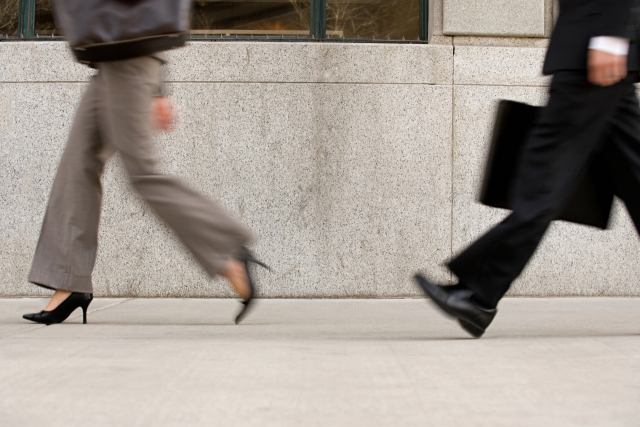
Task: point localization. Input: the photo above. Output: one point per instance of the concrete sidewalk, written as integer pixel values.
(168, 362)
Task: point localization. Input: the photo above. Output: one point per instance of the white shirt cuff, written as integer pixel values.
(613, 45)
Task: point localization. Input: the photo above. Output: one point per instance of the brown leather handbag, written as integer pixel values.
(112, 30)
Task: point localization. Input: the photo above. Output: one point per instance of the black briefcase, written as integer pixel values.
(590, 203)
(112, 30)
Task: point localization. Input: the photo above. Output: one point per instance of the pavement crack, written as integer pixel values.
(103, 308)
(22, 332)
(36, 327)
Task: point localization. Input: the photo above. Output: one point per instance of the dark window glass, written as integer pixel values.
(44, 24)
(8, 17)
(379, 18)
(250, 17)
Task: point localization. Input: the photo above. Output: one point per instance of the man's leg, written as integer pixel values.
(564, 140)
(568, 133)
(622, 154)
(208, 232)
(66, 250)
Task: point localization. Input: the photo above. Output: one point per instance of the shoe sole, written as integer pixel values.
(246, 308)
(42, 323)
(473, 329)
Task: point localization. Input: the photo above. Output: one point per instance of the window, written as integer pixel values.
(250, 17)
(378, 19)
(9, 18)
(353, 20)
(44, 18)
(319, 19)
(26, 18)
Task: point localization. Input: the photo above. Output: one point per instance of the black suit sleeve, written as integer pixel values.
(612, 18)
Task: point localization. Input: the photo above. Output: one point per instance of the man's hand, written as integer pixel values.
(163, 114)
(605, 69)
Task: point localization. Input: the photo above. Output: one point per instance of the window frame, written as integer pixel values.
(317, 27)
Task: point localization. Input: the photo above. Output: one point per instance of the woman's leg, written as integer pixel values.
(66, 251)
(212, 236)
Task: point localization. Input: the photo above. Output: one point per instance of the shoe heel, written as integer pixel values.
(85, 307)
(251, 258)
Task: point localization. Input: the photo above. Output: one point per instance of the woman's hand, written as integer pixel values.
(163, 114)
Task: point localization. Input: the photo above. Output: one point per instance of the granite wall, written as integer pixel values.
(356, 165)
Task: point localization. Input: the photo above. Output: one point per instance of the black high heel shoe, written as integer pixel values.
(64, 310)
(248, 257)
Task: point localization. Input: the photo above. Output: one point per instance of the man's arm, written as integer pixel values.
(612, 18)
(607, 57)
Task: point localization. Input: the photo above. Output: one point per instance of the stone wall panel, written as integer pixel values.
(504, 18)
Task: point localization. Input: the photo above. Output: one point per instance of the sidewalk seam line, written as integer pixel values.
(105, 307)
(70, 317)
(22, 332)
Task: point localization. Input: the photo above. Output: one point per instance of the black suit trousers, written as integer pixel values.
(581, 123)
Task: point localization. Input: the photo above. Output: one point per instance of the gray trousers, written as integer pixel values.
(114, 115)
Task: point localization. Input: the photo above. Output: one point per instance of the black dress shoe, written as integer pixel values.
(64, 310)
(457, 303)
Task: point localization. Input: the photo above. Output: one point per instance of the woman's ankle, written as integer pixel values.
(234, 272)
(58, 297)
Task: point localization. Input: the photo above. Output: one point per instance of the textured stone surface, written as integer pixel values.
(338, 156)
(573, 259)
(484, 65)
(348, 186)
(516, 18)
(33, 129)
(570, 362)
(252, 62)
(500, 41)
(312, 62)
(435, 19)
(549, 20)
(39, 62)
